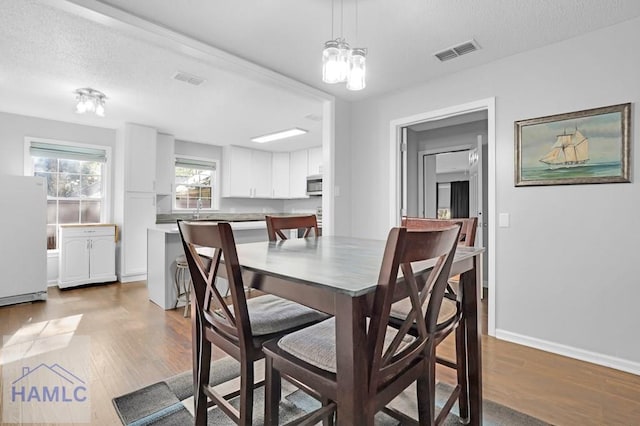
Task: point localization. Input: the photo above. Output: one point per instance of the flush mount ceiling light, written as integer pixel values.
(90, 100)
(340, 63)
(279, 135)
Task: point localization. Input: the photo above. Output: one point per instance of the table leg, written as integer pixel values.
(351, 359)
(472, 282)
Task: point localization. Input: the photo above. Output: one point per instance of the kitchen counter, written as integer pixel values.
(164, 246)
(220, 216)
(172, 228)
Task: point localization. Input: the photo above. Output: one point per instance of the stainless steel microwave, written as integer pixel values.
(314, 185)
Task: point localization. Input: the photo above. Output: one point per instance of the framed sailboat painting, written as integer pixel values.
(590, 146)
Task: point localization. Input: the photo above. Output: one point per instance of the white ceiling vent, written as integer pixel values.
(188, 78)
(313, 117)
(459, 50)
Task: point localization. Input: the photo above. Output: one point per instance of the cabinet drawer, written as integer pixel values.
(87, 231)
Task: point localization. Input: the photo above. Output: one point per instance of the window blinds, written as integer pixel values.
(67, 152)
(195, 164)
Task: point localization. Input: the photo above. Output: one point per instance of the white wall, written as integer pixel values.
(342, 167)
(14, 128)
(565, 267)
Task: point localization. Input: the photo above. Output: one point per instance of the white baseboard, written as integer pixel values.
(571, 352)
(131, 278)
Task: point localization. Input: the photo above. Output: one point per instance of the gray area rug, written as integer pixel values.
(169, 403)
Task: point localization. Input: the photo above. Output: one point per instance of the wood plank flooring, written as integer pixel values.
(135, 343)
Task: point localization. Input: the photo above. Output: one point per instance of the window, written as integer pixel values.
(76, 183)
(196, 184)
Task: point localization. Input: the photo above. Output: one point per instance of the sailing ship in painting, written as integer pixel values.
(570, 150)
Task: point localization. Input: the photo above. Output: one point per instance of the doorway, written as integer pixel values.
(404, 180)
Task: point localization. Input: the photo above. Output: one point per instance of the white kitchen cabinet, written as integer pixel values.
(237, 172)
(139, 214)
(247, 173)
(134, 197)
(87, 254)
(280, 174)
(315, 161)
(165, 163)
(298, 172)
(140, 158)
(261, 174)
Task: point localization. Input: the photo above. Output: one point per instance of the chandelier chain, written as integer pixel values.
(332, 16)
(342, 19)
(356, 21)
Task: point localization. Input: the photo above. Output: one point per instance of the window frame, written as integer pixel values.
(105, 211)
(215, 184)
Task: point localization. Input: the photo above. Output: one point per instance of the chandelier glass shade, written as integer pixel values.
(342, 64)
(90, 100)
(357, 69)
(330, 61)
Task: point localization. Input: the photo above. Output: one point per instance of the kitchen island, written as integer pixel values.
(164, 246)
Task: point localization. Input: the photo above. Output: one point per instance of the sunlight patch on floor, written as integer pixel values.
(37, 338)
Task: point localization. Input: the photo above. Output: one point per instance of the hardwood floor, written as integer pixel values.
(135, 343)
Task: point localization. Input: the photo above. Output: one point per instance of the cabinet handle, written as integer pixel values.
(88, 244)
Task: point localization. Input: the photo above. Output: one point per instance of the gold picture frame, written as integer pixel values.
(582, 147)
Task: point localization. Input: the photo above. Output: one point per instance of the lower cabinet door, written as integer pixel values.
(102, 262)
(74, 260)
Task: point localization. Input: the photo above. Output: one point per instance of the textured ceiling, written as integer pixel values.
(288, 35)
(48, 52)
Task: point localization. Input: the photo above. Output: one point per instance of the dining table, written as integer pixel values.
(339, 275)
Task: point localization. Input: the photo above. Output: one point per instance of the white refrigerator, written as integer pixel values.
(23, 239)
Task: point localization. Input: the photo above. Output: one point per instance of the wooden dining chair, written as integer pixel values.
(467, 232)
(239, 328)
(394, 357)
(451, 312)
(277, 224)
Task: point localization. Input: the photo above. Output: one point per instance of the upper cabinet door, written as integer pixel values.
(280, 174)
(140, 158)
(261, 174)
(165, 163)
(298, 174)
(315, 161)
(236, 171)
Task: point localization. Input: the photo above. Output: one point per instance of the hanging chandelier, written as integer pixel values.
(341, 63)
(90, 100)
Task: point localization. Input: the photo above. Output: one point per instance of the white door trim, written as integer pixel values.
(395, 196)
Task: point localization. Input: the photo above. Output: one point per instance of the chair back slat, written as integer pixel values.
(208, 246)
(469, 226)
(389, 357)
(276, 224)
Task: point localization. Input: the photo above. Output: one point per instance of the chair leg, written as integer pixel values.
(272, 393)
(246, 392)
(176, 278)
(187, 296)
(461, 362)
(201, 370)
(426, 391)
(327, 421)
